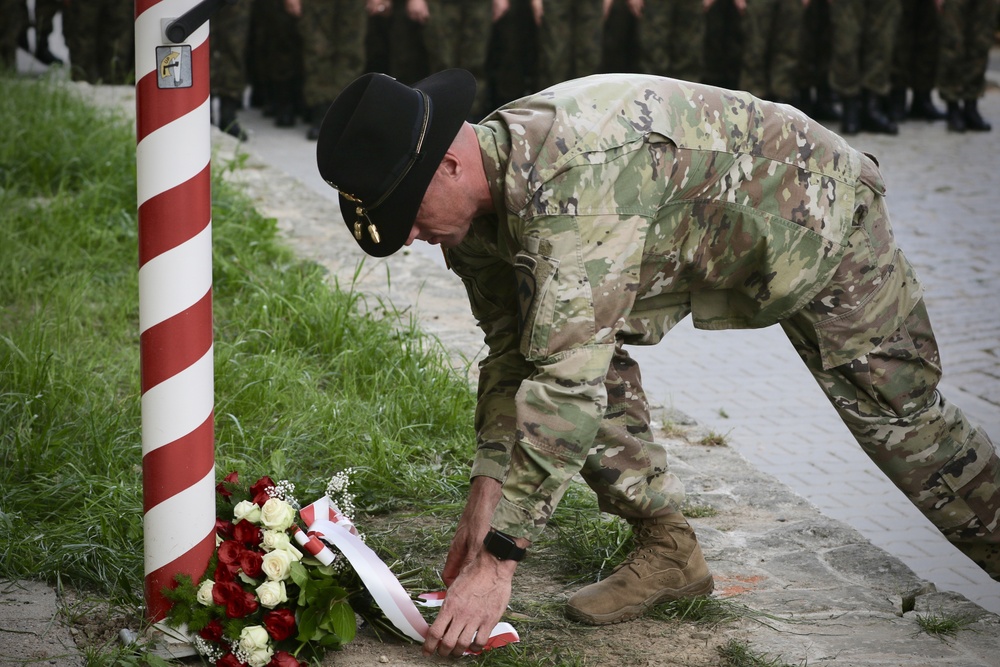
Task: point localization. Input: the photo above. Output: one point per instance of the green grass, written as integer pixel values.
(305, 385)
(942, 626)
(736, 653)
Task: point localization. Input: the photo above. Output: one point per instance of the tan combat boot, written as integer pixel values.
(667, 564)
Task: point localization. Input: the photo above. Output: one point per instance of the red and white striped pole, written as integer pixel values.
(175, 298)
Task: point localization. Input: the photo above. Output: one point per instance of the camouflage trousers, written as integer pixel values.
(887, 397)
(333, 47)
(864, 33)
(672, 39)
(569, 41)
(772, 44)
(967, 28)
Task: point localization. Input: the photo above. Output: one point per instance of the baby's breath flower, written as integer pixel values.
(283, 490)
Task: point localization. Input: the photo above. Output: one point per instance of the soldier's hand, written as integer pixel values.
(484, 494)
(474, 605)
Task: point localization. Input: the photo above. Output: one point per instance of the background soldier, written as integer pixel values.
(333, 49)
(15, 22)
(671, 36)
(816, 97)
(230, 32)
(863, 35)
(569, 38)
(967, 28)
(772, 33)
(915, 61)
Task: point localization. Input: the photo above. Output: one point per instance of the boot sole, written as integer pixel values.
(701, 587)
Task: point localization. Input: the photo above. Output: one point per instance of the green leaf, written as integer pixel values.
(344, 623)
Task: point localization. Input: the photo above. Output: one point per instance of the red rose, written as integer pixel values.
(222, 488)
(226, 572)
(280, 624)
(251, 562)
(246, 533)
(229, 660)
(212, 632)
(230, 551)
(224, 591)
(259, 490)
(224, 529)
(283, 659)
(238, 602)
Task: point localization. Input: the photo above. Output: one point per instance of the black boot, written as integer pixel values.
(873, 119)
(228, 123)
(316, 114)
(897, 105)
(825, 107)
(850, 121)
(43, 54)
(284, 104)
(956, 119)
(974, 121)
(922, 106)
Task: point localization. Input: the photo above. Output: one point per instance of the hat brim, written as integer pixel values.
(451, 93)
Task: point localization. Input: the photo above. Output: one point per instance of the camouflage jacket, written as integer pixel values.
(624, 203)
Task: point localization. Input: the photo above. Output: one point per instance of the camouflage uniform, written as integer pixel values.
(672, 38)
(864, 32)
(771, 37)
(513, 55)
(626, 203)
(569, 40)
(457, 35)
(228, 37)
(915, 58)
(333, 46)
(966, 37)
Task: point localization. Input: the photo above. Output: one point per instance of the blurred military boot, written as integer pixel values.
(666, 564)
(956, 117)
(897, 105)
(316, 114)
(973, 120)
(850, 120)
(228, 122)
(284, 104)
(43, 54)
(873, 119)
(825, 107)
(922, 106)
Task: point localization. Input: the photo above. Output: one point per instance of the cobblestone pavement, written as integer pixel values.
(944, 198)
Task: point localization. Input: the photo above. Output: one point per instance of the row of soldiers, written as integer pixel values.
(868, 63)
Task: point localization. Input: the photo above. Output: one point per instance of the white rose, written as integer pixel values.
(276, 514)
(276, 565)
(256, 645)
(205, 593)
(272, 593)
(260, 657)
(246, 510)
(272, 540)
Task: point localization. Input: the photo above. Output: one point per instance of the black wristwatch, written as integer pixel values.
(503, 546)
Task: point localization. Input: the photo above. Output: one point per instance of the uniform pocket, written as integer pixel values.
(533, 275)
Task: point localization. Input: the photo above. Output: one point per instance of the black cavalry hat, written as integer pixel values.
(380, 144)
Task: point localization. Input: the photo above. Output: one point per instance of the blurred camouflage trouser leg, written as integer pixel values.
(569, 41)
(947, 467)
(333, 42)
(626, 468)
(458, 35)
(967, 29)
(672, 39)
(772, 42)
(864, 33)
(15, 19)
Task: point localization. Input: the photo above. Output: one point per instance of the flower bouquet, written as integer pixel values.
(263, 602)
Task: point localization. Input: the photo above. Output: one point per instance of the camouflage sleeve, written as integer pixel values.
(489, 282)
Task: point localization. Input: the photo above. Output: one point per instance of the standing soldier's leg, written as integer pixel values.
(687, 48)
(785, 54)
(655, 30)
(887, 396)
(925, 30)
(845, 63)
(230, 29)
(15, 20)
(880, 25)
(555, 43)
(588, 31)
(628, 471)
(45, 12)
(757, 38)
(981, 25)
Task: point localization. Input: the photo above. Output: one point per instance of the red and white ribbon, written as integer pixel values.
(324, 521)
